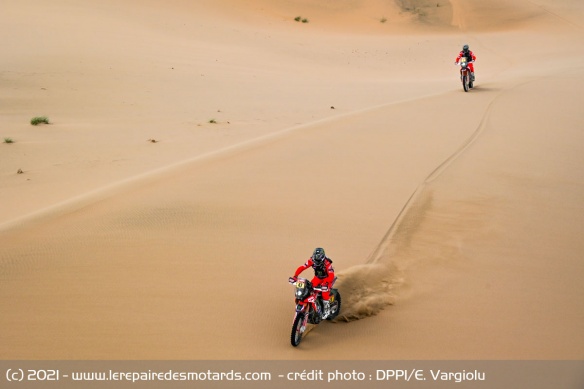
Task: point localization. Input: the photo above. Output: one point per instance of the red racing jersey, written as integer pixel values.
(470, 56)
(326, 272)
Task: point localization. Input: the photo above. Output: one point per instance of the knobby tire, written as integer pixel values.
(338, 302)
(296, 336)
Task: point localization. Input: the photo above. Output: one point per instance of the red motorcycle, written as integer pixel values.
(465, 75)
(310, 307)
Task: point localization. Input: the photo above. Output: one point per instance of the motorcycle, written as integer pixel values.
(465, 75)
(310, 307)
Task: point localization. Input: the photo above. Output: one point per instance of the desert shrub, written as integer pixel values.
(35, 121)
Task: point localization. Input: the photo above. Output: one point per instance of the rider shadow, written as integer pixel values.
(315, 338)
(480, 88)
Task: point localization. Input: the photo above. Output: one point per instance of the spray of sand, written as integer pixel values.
(366, 290)
(369, 288)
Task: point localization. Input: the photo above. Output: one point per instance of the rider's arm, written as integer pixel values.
(331, 274)
(330, 269)
(303, 267)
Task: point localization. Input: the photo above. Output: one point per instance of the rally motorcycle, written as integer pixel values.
(310, 307)
(465, 75)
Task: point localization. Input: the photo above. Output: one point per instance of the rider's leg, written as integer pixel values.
(327, 305)
(325, 295)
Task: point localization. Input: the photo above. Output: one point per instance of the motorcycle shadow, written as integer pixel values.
(479, 88)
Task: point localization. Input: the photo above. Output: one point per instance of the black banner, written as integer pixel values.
(288, 374)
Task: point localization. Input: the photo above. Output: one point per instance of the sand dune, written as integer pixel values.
(452, 218)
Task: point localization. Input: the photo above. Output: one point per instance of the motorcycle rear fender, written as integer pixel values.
(333, 295)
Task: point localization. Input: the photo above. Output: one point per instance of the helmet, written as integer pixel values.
(465, 48)
(318, 256)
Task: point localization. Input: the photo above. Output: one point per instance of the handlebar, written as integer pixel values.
(293, 280)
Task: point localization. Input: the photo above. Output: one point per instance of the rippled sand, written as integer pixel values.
(197, 153)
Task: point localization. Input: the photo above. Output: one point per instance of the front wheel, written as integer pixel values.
(465, 79)
(297, 329)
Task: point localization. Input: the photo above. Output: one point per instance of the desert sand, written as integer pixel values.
(198, 151)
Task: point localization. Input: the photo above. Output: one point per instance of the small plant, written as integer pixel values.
(383, 20)
(213, 121)
(35, 121)
(304, 20)
(298, 18)
(8, 140)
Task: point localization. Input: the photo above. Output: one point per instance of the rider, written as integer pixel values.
(324, 275)
(470, 57)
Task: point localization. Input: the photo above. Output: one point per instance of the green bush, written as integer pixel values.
(39, 120)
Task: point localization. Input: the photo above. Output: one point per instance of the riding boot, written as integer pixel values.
(327, 309)
(472, 76)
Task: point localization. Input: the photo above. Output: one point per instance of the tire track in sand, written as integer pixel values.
(369, 288)
(563, 19)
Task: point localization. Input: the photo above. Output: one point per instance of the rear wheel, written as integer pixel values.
(297, 330)
(335, 305)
